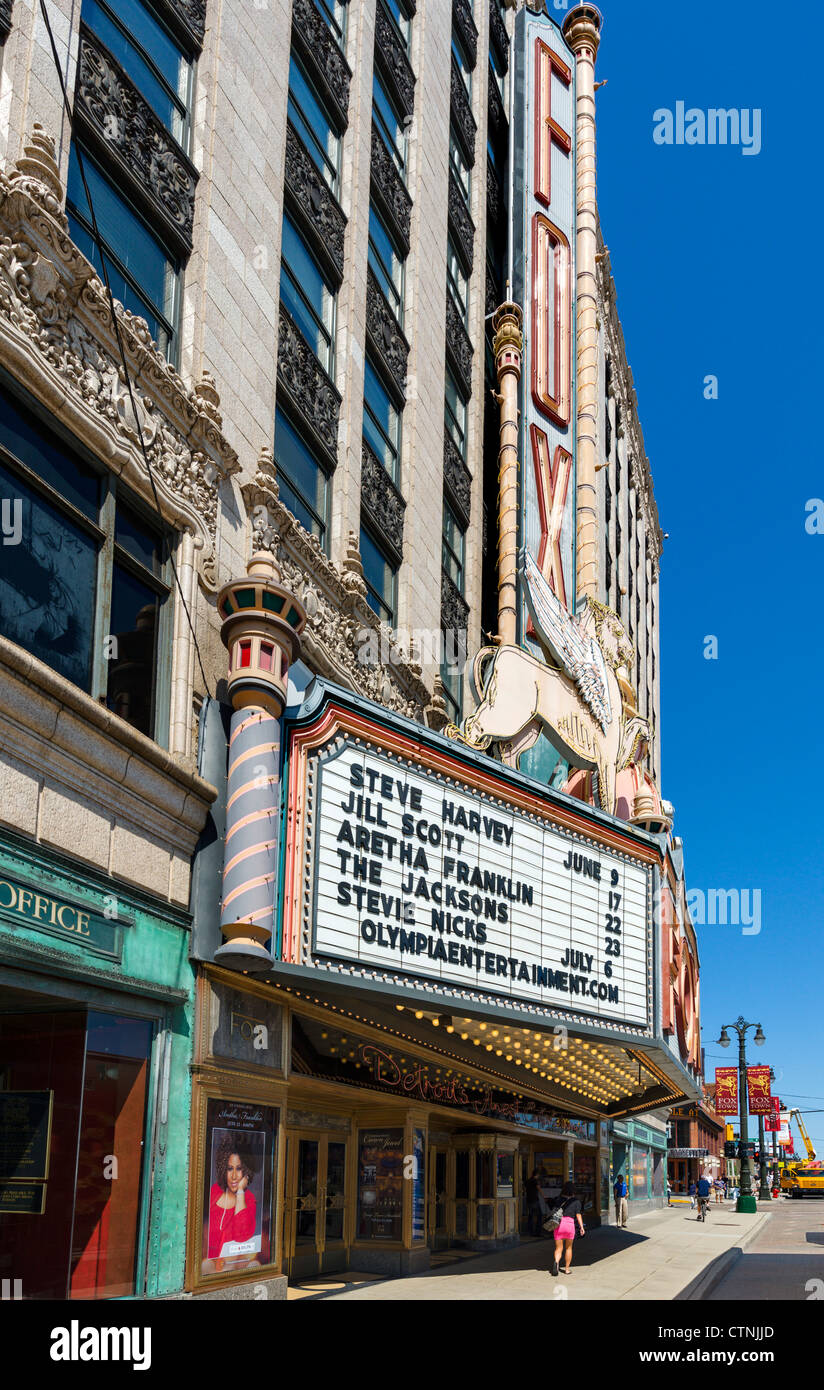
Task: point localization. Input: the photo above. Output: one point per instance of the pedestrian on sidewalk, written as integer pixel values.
(621, 1192)
(571, 1207)
(693, 1190)
(533, 1205)
(719, 1191)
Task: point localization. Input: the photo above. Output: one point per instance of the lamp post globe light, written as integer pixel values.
(746, 1197)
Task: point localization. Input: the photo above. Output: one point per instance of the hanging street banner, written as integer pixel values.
(758, 1087)
(726, 1090)
(772, 1122)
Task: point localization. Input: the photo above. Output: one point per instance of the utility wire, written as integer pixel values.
(116, 325)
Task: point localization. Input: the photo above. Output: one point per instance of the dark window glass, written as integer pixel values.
(302, 481)
(133, 649)
(334, 12)
(400, 19)
(390, 123)
(386, 263)
(381, 422)
(306, 294)
(453, 548)
(47, 581)
(142, 273)
(149, 54)
(455, 413)
(143, 542)
(457, 282)
(23, 435)
(313, 125)
(380, 578)
(459, 167)
(463, 64)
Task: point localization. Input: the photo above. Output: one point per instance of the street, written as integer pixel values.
(785, 1261)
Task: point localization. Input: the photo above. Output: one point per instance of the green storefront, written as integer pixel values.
(639, 1152)
(96, 1007)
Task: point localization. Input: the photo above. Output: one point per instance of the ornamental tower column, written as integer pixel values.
(582, 31)
(262, 623)
(508, 347)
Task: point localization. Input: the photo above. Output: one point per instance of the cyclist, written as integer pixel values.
(703, 1194)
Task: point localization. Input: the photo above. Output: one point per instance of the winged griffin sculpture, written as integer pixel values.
(584, 701)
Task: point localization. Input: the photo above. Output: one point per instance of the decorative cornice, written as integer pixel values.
(497, 124)
(6, 7)
(190, 15)
(497, 33)
(467, 32)
(321, 54)
(314, 206)
(56, 336)
(461, 224)
(382, 502)
(390, 192)
(493, 194)
(125, 129)
(393, 61)
(344, 639)
(457, 479)
(385, 336)
(458, 347)
(310, 393)
(462, 118)
(454, 607)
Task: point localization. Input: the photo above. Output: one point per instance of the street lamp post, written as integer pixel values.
(746, 1197)
(774, 1142)
(764, 1194)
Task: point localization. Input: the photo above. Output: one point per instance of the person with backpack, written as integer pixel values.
(568, 1211)
(621, 1192)
(704, 1192)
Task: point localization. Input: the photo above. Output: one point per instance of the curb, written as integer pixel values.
(703, 1284)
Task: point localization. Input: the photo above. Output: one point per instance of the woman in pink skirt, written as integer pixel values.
(565, 1231)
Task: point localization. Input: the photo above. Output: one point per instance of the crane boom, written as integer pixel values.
(805, 1136)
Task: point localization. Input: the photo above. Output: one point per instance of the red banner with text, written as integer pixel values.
(758, 1085)
(772, 1122)
(726, 1090)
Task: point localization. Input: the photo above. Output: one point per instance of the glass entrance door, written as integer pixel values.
(437, 1194)
(314, 1220)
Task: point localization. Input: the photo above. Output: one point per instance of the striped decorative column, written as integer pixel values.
(262, 623)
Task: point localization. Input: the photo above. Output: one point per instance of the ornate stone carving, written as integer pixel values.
(6, 7)
(454, 607)
(385, 335)
(392, 59)
(390, 192)
(310, 391)
(382, 502)
(313, 204)
(493, 193)
(462, 117)
(191, 14)
(461, 224)
(498, 125)
(494, 294)
(56, 334)
(344, 639)
(464, 23)
(457, 479)
(497, 33)
(120, 121)
(458, 347)
(323, 57)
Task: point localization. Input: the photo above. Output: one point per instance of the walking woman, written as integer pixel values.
(565, 1230)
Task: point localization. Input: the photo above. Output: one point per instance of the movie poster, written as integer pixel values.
(240, 1151)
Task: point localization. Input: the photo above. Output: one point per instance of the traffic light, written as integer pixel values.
(730, 1149)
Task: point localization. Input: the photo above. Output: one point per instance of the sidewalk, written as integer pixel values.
(662, 1255)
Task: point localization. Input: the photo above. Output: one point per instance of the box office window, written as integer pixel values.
(84, 1243)
(83, 570)
(380, 1185)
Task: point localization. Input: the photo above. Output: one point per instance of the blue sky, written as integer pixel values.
(717, 270)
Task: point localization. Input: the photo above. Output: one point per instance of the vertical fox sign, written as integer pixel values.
(726, 1090)
(543, 281)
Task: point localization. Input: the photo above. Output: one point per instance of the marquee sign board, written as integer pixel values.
(422, 877)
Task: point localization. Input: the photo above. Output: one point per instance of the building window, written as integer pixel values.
(457, 282)
(390, 124)
(312, 123)
(452, 548)
(85, 585)
(459, 167)
(386, 263)
(396, 11)
(334, 12)
(143, 272)
(153, 59)
(381, 422)
(463, 64)
(453, 687)
(302, 481)
(380, 576)
(455, 413)
(498, 73)
(307, 295)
